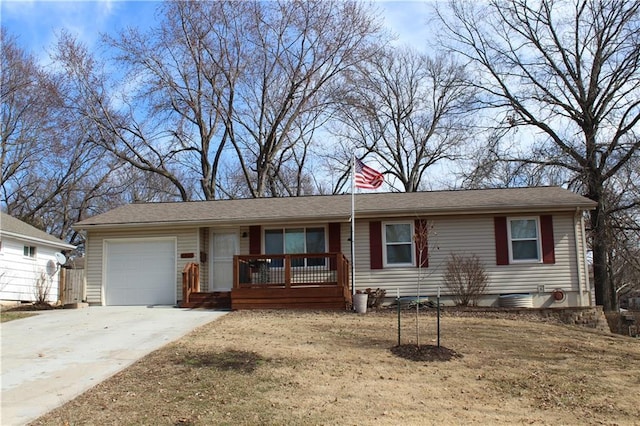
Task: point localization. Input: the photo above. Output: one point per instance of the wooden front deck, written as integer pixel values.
(296, 281)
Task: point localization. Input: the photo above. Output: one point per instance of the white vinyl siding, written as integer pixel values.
(468, 235)
(244, 240)
(464, 235)
(19, 273)
(187, 241)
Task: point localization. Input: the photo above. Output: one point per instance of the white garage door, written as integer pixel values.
(140, 272)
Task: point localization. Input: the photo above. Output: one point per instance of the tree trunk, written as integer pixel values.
(605, 293)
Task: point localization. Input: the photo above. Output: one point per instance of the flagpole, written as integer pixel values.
(353, 223)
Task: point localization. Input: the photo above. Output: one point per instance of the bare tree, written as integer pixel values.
(623, 234)
(295, 50)
(569, 70)
(44, 158)
(25, 117)
(485, 166)
(185, 70)
(409, 109)
(52, 174)
(422, 236)
(223, 86)
(113, 120)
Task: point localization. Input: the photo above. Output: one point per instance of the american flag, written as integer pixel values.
(366, 177)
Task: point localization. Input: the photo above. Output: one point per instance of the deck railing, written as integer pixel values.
(291, 270)
(190, 281)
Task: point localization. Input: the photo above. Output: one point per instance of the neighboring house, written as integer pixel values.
(29, 269)
(530, 240)
(630, 300)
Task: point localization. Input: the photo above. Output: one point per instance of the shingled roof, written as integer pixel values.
(336, 208)
(10, 226)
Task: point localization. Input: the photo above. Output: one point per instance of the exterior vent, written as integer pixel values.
(516, 301)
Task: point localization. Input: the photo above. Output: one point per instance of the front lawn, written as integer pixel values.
(311, 368)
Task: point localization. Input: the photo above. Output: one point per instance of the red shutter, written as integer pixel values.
(334, 243)
(420, 227)
(334, 238)
(255, 244)
(375, 244)
(502, 240)
(548, 246)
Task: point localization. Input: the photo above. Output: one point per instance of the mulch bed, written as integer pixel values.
(425, 353)
(32, 307)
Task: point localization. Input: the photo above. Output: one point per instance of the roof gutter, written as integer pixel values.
(38, 240)
(209, 223)
(470, 211)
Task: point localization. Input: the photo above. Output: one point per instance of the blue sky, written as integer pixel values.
(37, 23)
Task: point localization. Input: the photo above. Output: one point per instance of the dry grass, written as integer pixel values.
(6, 316)
(312, 368)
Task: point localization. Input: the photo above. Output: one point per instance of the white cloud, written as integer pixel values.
(409, 21)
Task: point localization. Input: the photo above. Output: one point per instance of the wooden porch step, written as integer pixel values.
(215, 300)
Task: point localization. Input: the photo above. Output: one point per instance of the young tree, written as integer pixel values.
(422, 236)
(571, 71)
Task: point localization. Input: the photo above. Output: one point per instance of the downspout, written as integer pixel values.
(578, 253)
(586, 263)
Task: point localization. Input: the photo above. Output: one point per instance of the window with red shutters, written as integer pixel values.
(524, 239)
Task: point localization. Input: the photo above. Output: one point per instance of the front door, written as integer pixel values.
(224, 245)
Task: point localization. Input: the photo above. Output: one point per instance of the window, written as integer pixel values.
(295, 240)
(524, 240)
(398, 244)
(29, 251)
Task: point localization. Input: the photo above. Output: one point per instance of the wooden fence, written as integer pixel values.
(73, 286)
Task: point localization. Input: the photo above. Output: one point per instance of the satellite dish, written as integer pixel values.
(61, 258)
(52, 268)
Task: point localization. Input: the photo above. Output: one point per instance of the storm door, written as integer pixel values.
(224, 245)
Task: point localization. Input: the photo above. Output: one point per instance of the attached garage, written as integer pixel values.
(140, 272)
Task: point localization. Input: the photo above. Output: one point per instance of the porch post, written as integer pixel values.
(287, 271)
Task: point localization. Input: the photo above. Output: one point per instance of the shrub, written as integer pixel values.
(42, 288)
(376, 297)
(466, 279)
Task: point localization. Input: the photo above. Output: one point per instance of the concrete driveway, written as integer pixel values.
(53, 357)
